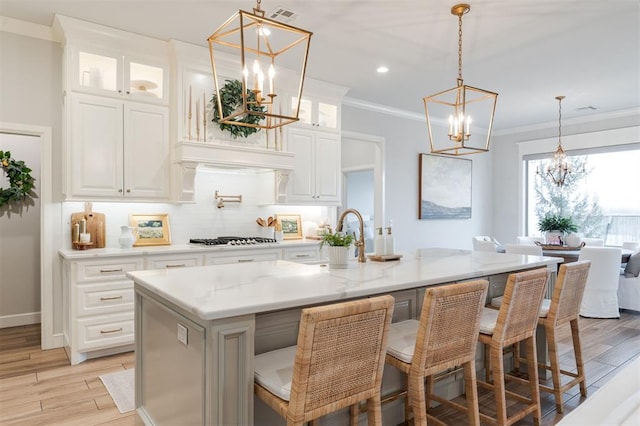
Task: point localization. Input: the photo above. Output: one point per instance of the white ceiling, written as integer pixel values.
(529, 51)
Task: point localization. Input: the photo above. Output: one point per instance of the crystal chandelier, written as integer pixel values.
(260, 42)
(558, 168)
(468, 108)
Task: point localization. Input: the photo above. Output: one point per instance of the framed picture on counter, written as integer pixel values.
(150, 229)
(445, 187)
(291, 225)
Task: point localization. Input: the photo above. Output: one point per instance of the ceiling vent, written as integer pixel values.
(282, 15)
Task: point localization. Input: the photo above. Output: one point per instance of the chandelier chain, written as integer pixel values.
(460, 49)
(560, 120)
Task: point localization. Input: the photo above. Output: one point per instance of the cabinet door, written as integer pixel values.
(301, 180)
(96, 71)
(95, 148)
(327, 168)
(146, 151)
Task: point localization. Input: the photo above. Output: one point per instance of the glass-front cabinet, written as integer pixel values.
(112, 74)
(317, 113)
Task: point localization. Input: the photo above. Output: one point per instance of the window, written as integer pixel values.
(603, 197)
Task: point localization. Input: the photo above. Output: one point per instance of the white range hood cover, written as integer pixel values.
(231, 156)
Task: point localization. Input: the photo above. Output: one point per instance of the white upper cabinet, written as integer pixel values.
(100, 72)
(317, 113)
(316, 177)
(118, 150)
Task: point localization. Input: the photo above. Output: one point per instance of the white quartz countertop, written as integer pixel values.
(71, 254)
(222, 291)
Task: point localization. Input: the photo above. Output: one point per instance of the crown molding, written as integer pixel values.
(27, 29)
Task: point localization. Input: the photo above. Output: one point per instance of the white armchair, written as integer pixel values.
(600, 298)
(530, 240)
(523, 249)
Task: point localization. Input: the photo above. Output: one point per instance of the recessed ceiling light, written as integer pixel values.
(382, 69)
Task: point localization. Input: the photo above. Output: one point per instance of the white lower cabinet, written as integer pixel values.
(98, 306)
(98, 298)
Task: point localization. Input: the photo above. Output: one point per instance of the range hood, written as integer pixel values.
(231, 156)
(189, 155)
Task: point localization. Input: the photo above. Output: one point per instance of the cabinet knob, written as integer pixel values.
(119, 91)
(120, 190)
(128, 190)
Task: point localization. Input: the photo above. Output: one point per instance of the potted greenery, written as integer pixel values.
(339, 244)
(555, 228)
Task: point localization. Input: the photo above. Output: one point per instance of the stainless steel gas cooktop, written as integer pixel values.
(232, 241)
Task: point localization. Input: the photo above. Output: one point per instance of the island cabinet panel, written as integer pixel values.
(175, 346)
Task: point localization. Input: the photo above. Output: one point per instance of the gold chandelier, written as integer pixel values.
(559, 168)
(260, 41)
(468, 108)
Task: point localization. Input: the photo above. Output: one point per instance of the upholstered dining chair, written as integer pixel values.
(481, 241)
(634, 246)
(530, 240)
(600, 298)
(523, 249)
(337, 363)
(445, 337)
(515, 322)
(593, 242)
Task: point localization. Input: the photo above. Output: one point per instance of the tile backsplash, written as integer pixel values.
(203, 219)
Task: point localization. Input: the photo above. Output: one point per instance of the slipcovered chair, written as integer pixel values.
(484, 243)
(634, 246)
(523, 249)
(629, 284)
(600, 299)
(593, 242)
(530, 240)
(475, 240)
(337, 363)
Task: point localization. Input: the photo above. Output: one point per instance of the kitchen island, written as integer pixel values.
(197, 329)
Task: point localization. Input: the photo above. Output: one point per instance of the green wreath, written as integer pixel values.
(231, 94)
(20, 181)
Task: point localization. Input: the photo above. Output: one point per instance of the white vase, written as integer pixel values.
(338, 257)
(573, 240)
(127, 238)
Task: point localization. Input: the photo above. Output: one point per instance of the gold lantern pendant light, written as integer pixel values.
(470, 111)
(559, 168)
(273, 59)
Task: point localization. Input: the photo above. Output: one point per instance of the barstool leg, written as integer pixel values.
(418, 407)
(555, 366)
(471, 390)
(354, 414)
(532, 365)
(577, 350)
(499, 388)
(374, 411)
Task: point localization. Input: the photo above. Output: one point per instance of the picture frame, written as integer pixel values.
(291, 225)
(150, 229)
(445, 187)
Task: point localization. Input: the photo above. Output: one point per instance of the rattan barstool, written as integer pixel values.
(565, 308)
(515, 322)
(337, 363)
(445, 337)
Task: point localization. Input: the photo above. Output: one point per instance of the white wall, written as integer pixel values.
(405, 138)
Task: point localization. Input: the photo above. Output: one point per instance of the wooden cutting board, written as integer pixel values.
(95, 225)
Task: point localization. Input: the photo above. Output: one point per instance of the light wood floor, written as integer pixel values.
(41, 388)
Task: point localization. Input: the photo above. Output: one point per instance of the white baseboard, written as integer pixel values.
(20, 319)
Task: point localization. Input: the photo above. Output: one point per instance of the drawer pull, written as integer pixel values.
(110, 298)
(106, 271)
(111, 331)
(302, 255)
(181, 265)
(244, 260)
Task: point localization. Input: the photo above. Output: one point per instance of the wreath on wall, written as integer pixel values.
(231, 99)
(20, 181)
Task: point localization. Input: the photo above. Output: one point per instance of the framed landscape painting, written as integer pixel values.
(445, 187)
(150, 229)
(291, 225)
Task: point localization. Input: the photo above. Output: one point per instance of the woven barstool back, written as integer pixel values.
(339, 360)
(567, 294)
(518, 317)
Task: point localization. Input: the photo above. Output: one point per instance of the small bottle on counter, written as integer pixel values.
(379, 243)
(388, 242)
